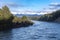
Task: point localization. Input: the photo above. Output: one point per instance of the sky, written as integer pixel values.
(31, 6)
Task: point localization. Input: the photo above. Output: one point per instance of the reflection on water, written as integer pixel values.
(5, 35)
(39, 31)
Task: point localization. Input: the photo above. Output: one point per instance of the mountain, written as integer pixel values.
(19, 15)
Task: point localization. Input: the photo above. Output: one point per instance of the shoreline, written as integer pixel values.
(15, 25)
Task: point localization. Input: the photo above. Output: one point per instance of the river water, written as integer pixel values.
(38, 31)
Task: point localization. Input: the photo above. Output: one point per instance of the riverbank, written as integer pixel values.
(8, 21)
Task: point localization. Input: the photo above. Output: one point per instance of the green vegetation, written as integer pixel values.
(50, 17)
(5, 14)
(34, 17)
(8, 21)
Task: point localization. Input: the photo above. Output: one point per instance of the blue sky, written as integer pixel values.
(31, 6)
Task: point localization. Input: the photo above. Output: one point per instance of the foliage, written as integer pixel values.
(19, 20)
(24, 18)
(16, 19)
(5, 14)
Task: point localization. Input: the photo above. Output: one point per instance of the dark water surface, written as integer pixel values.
(38, 31)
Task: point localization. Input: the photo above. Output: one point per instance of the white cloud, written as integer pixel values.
(13, 12)
(55, 4)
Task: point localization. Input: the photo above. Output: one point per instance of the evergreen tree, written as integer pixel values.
(7, 14)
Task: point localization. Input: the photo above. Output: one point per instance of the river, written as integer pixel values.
(38, 31)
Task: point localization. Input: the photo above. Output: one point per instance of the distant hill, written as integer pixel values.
(30, 16)
(54, 16)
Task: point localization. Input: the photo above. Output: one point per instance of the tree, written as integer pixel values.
(24, 17)
(6, 13)
(1, 15)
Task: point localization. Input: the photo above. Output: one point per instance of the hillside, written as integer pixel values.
(54, 16)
